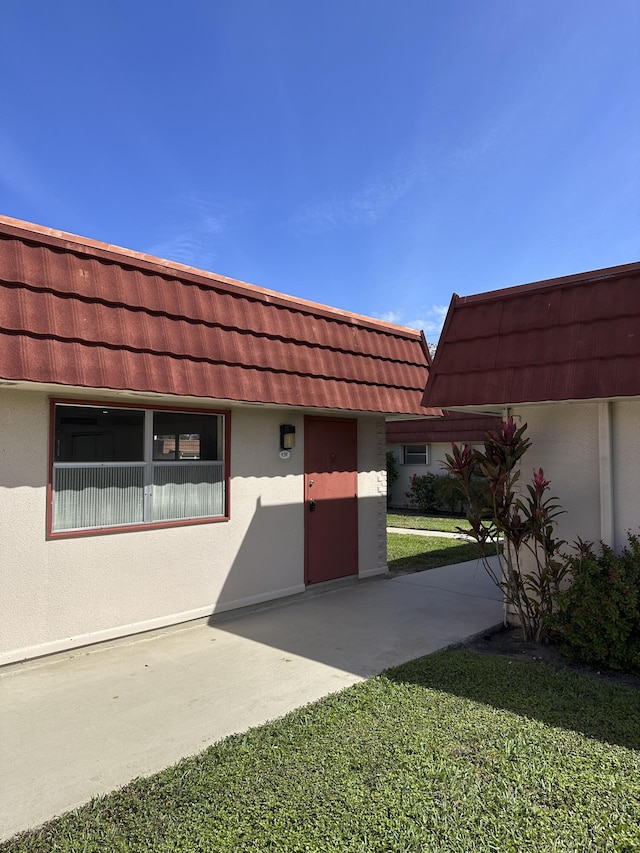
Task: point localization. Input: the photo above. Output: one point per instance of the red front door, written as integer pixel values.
(331, 499)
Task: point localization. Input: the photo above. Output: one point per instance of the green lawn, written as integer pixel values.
(407, 553)
(454, 752)
(426, 522)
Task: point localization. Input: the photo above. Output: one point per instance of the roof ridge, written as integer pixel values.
(567, 281)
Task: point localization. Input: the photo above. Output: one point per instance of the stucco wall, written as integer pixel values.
(565, 442)
(626, 473)
(565, 445)
(66, 592)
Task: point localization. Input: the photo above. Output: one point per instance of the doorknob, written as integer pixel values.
(312, 505)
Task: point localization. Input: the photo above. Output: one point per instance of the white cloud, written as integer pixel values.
(390, 317)
(429, 319)
(360, 209)
(193, 238)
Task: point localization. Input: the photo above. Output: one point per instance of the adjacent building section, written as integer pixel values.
(419, 446)
(563, 356)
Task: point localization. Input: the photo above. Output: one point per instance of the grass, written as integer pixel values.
(406, 553)
(427, 522)
(454, 752)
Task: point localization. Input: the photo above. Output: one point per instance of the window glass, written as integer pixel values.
(416, 454)
(178, 436)
(96, 434)
(106, 475)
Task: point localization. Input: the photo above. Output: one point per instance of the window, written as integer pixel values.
(115, 466)
(416, 454)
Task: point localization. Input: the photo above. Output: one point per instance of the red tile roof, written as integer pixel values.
(452, 426)
(77, 312)
(571, 338)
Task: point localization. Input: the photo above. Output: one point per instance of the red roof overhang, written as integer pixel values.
(76, 312)
(452, 426)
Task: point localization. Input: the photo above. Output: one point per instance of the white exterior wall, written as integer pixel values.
(68, 592)
(406, 472)
(626, 469)
(566, 444)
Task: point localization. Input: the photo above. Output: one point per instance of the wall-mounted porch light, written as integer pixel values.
(287, 436)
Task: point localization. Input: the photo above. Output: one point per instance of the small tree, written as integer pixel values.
(524, 522)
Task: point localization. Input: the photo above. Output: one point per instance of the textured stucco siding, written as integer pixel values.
(565, 445)
(626, 471)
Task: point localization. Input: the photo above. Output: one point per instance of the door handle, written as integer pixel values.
(312, 505)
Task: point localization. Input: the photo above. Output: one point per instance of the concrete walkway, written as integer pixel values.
(84, 723)
(439, 534)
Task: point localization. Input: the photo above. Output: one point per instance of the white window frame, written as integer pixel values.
(148, 465)
(409, 450)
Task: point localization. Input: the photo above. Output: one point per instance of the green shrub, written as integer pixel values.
(479, 492)
(422, 493)
(392, 473)
(440, 493)
(447, 496)
(598, 615)
(434, 493)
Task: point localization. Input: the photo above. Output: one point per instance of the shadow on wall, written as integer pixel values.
(268, 560)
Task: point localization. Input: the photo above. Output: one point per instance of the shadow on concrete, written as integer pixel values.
(363, 627)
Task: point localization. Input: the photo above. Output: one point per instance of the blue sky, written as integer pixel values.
(375, 155)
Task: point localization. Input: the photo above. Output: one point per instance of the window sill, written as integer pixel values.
(133, 528)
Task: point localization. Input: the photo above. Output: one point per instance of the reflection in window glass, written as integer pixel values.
(84, 434)
(179, 436)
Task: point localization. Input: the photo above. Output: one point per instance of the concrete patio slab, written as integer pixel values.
(84, 723)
